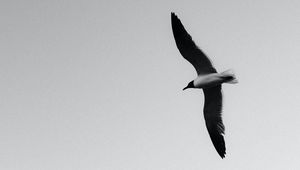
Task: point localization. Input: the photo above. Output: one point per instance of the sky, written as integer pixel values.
(97, 85)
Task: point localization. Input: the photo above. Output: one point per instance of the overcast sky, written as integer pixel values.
(97, 85)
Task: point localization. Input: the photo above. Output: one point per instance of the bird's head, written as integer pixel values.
(190, 85)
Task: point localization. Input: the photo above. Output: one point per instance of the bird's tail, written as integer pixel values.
(229, 74)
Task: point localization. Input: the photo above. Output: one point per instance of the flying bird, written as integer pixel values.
(208, 79)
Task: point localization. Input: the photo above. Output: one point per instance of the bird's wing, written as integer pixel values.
(213, 118)
(189, 49)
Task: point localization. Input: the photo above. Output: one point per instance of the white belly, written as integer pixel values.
(208, 80)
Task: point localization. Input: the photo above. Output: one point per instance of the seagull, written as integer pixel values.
(208, 80)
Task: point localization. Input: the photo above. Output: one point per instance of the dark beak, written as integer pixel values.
(185, 88)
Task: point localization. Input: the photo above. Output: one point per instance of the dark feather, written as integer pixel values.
(189, 49)
(213, 118)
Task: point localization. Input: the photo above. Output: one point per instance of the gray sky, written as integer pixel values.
(98, 85)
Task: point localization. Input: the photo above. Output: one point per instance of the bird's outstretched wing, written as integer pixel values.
(213, 118)
(189, 49)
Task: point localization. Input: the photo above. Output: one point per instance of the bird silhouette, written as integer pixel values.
(208, 80)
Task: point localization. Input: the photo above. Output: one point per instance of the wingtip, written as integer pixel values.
(222, 156)
(173, 15)
(222, 153)
(174, 19)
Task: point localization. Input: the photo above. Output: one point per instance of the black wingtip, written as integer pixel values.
(221, 150)
(173, 15)
(176, 25)
(219, 145)
(222, 155)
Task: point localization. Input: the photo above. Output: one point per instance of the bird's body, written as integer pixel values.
(208, 80)
(214, 79)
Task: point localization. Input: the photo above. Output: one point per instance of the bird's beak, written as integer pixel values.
(185, 88)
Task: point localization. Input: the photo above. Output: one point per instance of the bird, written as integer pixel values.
(208, 79)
